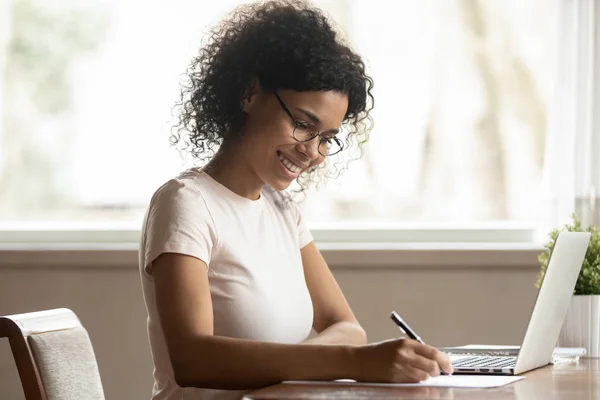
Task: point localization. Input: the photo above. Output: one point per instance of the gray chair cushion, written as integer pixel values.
(67, 365)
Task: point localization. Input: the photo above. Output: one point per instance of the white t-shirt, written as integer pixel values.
(252, 249)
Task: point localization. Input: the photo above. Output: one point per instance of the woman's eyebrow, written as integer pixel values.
(311, 116)
(314, 119)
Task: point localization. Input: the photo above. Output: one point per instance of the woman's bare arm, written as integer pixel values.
(201, 359)
(333, 319)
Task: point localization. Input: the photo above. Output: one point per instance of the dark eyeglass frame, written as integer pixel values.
(317, 134)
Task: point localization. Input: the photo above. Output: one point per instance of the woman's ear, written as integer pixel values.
(247, 102)
(250, 95)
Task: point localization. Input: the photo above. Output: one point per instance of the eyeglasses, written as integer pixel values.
(306, 131)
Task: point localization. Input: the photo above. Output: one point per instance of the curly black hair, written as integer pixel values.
(285, 44)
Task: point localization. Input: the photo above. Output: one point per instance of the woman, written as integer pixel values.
(232, 280)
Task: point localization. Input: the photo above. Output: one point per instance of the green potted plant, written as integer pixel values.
(581, 327)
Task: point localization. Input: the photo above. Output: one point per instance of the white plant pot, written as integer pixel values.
(582, 325)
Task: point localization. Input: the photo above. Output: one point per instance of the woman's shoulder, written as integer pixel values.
(187, 186)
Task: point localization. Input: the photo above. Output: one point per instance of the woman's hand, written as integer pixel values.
(400, 361)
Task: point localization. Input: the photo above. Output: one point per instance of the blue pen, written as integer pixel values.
(409, 332)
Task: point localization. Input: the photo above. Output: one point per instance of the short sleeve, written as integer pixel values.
(304, 235)
(178, 221)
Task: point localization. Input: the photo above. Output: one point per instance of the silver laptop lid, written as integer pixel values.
(553, 300)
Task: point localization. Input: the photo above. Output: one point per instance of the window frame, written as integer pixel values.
(86, 246)
(384, 234)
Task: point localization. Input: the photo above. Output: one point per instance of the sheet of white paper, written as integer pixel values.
(452, 381)
(569, 351)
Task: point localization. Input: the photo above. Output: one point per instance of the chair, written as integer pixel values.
(53, 354)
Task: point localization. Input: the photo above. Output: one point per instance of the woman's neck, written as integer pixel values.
(230, 168)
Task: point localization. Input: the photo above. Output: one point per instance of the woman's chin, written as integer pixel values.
(280, 185)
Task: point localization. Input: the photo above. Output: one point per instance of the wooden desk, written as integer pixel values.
(572, 381)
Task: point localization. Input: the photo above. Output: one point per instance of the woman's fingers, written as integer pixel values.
(439, 357)
(415, 374)
(427, 365)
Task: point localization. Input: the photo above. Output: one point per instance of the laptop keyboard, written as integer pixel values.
(483, 362)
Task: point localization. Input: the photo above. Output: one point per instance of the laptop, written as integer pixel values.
(547, 317)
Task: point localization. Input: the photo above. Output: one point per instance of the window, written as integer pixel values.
(461, 87)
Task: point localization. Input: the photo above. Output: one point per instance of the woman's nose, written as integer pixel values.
(310, 148)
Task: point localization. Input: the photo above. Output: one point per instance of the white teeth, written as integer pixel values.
(289, 165)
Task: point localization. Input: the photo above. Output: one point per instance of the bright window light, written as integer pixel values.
(461, 96)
